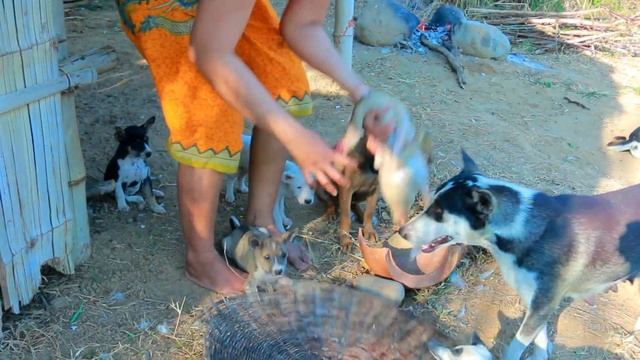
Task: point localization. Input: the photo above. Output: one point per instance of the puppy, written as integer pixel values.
(292, 184)
(477, 350)
(399, 169)
(128, 171)
(631, 144)
(254, 250)
(548, 248)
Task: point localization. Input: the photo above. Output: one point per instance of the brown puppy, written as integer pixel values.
(363, 186)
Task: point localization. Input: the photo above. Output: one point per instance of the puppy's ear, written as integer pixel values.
(234, 222)
(468, 165)
(119, 134)
(481, 202)
(150, 121)
(254, 242)
(476, 341)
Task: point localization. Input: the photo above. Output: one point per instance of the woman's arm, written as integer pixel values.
(217, 29)
(302, 27)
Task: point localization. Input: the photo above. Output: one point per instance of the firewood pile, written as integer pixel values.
(596, 30)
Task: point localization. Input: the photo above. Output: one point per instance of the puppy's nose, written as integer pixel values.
(147, 154)
(278, 272)
(308, 201)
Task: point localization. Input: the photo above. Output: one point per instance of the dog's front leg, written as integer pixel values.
(287, 222)
(278, 213)
(121, 199)
(147, 191)
(534, 322)
(345, 195)
(369, 232)
(244, 184)
(230, 188)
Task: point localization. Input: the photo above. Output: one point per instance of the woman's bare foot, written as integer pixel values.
(209, 270)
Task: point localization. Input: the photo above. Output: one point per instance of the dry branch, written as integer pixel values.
(453, 60)
(587, 30)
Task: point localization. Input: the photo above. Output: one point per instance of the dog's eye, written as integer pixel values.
(457, 351)
(299, 187)
(283, 255)
(267, 257)
(435, 211)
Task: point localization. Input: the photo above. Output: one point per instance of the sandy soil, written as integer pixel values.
(135, 302)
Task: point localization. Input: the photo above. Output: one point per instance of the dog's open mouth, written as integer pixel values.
(435, 244)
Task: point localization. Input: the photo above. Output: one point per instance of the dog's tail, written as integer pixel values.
(620, 143)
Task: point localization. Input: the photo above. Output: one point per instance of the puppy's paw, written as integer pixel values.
(158, 209)
(123, 207)
(370, 234)
(229, 197)
(158, 193)
(287, 223)
(141, 206)
(244, 188)
(136, 199)
(345, 242)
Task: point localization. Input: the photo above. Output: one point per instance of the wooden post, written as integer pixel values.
(343, 29)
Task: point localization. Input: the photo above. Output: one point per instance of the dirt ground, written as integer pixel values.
(131, 300)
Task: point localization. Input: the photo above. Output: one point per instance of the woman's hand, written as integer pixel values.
(318, 162)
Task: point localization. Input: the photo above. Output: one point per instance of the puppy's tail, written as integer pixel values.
(620, 143)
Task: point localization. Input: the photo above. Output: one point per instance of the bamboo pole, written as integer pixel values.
(28, 95)
(343, 29)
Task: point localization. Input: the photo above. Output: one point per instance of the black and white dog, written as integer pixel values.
(548, 247)
(128, 171)
(630, 144)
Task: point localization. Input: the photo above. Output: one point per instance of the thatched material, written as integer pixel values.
(43, 218)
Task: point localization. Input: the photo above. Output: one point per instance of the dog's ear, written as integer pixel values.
(150, 121)
(119, 134)
(482, 202)
(468, 165)
(255, 242)
(234, 222)
(476, 341)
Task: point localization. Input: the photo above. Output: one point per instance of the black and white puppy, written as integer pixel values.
(128, 170)
(548, 248)
(630, 144)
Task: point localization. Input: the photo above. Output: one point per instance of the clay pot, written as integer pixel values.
(393, 260)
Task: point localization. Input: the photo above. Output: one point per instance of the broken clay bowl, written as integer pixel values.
(394, 261)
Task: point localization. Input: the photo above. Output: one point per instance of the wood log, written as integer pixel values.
(102, 59)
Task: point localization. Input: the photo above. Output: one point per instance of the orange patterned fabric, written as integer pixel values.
(205, 131)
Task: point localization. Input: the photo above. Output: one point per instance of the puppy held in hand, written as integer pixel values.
(128, 172)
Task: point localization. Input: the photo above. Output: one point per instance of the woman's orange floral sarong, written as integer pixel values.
(205, 131)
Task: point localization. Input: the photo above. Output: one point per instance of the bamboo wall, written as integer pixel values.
(43, 217)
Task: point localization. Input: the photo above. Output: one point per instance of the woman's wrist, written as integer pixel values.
(358, 92)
